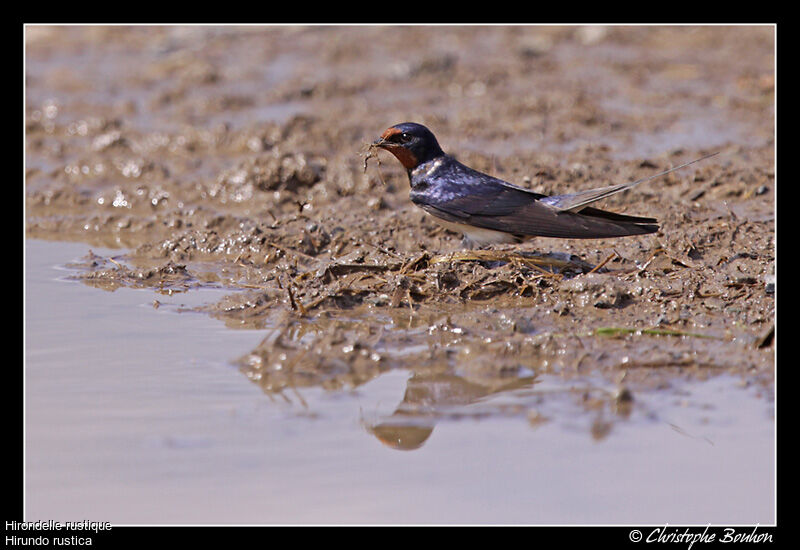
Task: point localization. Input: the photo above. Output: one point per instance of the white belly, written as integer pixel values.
(477, 235)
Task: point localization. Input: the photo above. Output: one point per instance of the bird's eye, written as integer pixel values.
(405, 138)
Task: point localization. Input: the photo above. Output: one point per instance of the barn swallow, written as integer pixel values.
(488, 210)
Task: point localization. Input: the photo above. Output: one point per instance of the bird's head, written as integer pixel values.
(411, 143)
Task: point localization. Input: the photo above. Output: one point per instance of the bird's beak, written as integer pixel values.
(380, 142)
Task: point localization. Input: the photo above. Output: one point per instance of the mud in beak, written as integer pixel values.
(406, 157)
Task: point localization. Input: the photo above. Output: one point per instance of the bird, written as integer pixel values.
(487, 210)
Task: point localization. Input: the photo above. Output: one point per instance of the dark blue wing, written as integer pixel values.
(457, 193)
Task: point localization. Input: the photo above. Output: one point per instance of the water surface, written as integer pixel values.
(136, 415)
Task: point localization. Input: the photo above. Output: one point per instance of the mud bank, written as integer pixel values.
(234, 157)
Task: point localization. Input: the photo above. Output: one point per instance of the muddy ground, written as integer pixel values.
(234, 157)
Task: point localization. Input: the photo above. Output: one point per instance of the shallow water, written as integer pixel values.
(136, 415)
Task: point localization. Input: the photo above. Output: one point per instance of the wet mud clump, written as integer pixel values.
(235, 157)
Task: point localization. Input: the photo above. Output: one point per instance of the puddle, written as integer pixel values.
(137, 415)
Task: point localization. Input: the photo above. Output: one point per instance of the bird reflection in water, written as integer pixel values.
(431, 397)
